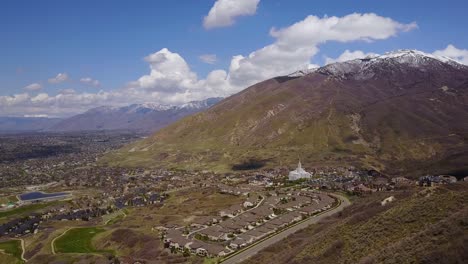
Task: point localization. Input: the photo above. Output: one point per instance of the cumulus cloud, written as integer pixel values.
(62, 104)
(454, 53)
(170, 79)
(350, 55)
(224, 12)
(61, 77)
(67, 91)
(33, 87)
(90, 81)
(297, 44)
(208, 58)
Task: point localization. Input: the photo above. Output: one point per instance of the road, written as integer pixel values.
(251, 251)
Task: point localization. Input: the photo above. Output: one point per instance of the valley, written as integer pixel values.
(125, 215)
(233, 132)
(381, 161)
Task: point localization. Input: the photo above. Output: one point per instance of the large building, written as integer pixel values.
(299, 173)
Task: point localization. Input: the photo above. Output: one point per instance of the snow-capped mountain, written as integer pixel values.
(363, 68)
(405, 109)
(301, 73)
(200, 104)
(367, 68)
(141, 117)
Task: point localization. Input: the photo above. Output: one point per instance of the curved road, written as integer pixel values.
(251, 251)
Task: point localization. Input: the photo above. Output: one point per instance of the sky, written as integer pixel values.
(60, 58)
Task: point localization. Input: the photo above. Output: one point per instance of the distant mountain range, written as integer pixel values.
(21, 124)
(405, 111)
(147, 117)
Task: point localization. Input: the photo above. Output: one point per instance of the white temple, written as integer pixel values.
(299, 173)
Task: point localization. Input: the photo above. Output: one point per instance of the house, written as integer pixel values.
(204, 221)
(214, 233)
(448, 179)
(214, 250)
(231, 225)
(247, 221)
(361, 189)
(379, 183)
(175, 239)
(231, 211)
(196, 247)
(237, 243)
(255, 234)
(262, 212)
(310, 209)
(402, 181)
(426, 180)
(242, 240)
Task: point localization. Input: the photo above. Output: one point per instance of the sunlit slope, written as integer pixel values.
(401, 114)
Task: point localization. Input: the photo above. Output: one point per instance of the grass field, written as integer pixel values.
(8, 199)
(78, 240)
(109, 219)
(25, 209)
(180, 208)
(11, 251)
(423, 225)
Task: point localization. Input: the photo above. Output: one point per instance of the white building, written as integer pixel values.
(299, 173)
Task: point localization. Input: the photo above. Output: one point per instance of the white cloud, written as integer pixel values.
(297, 44)
(61, 77)
(90, 81)
(349, 55)
(33, 87)
(62, 104)
(224, 12)
(67, 91)
(208, 58)
(171, 81)
(452, 52)
(37, 116)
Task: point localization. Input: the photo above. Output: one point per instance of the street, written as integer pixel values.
(249, 252)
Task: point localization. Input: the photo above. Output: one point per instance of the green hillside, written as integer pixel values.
(421, 226)
(389, 123)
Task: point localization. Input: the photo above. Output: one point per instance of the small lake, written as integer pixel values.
(40, 195)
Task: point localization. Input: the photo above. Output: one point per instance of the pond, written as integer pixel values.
(40, 195)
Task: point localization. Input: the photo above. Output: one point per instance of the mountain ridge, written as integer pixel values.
(146, 117)
(397, 115)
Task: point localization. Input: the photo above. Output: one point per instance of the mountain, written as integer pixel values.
(147, 117)
(404, 112)
(23, 124)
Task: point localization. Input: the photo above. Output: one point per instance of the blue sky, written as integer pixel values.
(107, 41)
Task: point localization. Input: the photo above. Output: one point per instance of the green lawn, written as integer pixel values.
(12, 249)
(8, 199)
(109, 219)
(24, 209)
(78, 240)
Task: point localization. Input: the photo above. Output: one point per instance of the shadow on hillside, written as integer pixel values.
(250, 164)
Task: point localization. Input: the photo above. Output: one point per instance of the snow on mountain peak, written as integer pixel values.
(157, 107)
(303, 72)
(365, 68)
(414, 55)
(154, 107)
